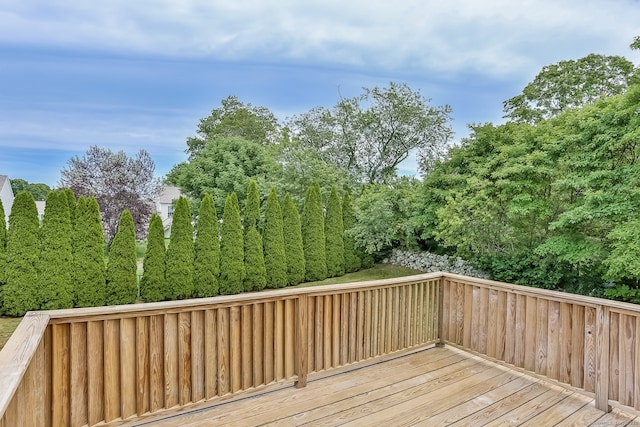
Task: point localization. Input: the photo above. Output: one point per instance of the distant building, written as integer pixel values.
(6, 195)
(164, 206)
(40, 205)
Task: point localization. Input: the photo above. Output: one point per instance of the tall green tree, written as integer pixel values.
(313, 237)
(334, 234)
(20, 293)
(293, 247)
(273, 235)
(72, 203)
(255, 271)
(89, 272)
(55, 259)
(231, 248)
(3, 252)
(207, 250)
(352, 261)
(252, 206)
(152, 284)
(122, 280)
(39, 191)
(180, 256)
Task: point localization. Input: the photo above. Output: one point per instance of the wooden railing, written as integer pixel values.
(110, 365)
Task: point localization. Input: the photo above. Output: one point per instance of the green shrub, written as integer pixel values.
(179, 257)
(89, 273)
(313, 238)
(293, 249)
(334, 235)
(122, 280)
(207, 250)
(252, 206)
(273, 239)
(255, 271)
(152, 283)
(231, 248)
(3, 252)
(352, 261)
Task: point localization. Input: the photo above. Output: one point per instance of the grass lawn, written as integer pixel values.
(379, 271)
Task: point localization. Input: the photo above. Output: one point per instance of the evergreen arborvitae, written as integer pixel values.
(252, 206)
(207, 250)
(255, 271)
(152, 283)
(334, 235)
(3, 253)
(231, 248)
(273, 240)
(71, 201)
(55, 260)
(20, 293)
(313, 238)
(179, 258)
(293, 249)
(122, 281)
(89, 273)
(352, 260)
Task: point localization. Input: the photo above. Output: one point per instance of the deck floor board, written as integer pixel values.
(438, 386)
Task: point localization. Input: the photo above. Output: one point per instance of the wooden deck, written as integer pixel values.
(433, 387)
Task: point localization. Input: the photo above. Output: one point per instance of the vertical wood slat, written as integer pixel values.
(627, 356)
(197, 356)
(279, 340)
(235, 349)
(111, 370)
(578, 345)
(565, 341)
(335, 330)
(127, 367)
(301, 340)
(553, 341)
(289, 338)
(222, 338)
(156, 363)
(258, 344)
(246, 321)
(521, 312)
(171, 374)
(211, 353)
(602, 358)
(269, 342)
(184, 358)
(530, 342)
(542, 327)
(614, 359)
(327, 327)
(61, 372)
(143, 365)
(78, 364)
(590, 351)
(95, 372)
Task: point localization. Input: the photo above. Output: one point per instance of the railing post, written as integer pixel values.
(602, 358)
(301, 340)
(440, 319)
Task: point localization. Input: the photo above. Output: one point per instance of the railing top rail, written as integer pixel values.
(16, 355)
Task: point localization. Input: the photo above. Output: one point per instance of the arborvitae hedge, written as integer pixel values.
(352, 260)
(293, 247)
(55, 260)
(20, 293)
(313, 238)
(3, 252)
(255, 271)
(334, 235)
(89, 273)
(231, 248)
(252, 206)
(122, 281)
(207, 250)
(72, 203)
(152, 283)
(275, 259)
(179, 258)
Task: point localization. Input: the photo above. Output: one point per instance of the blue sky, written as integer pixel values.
(131, 75)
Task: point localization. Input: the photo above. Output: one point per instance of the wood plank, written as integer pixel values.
(318, 322)
(95, 372)
(532, 408)
(327, 327)
(401, 292)
(521, 328)
(269, 342)
(627, 359)
(492, 314)
(143, 365)
(501, 325)
(601, 382)
(375, 322)
(553, 341)
(353, 327)
(290, 338)
(128, 367)
(302, 367)
(510, 329)
(156, 361)
(368, 321)
(79, 374)
(278, 335)
(614, 355)
(460, 318)
(467, 316)
(247, 354)
(360, 326)
(636, 388)
(235, 349)
(382, 329)
(335, 330)
(566, 316)
(590, 334)
(197, 356)
(531, 323)
(61, 375)
(224, 363)
(211, 353)
(258, 344)
(475, 319)
(171, 356)
(111, 370)
(577, 346)
(542, 336)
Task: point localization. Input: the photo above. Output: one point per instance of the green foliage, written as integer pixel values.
(152, 284)
(255, 270)
(334, 234)
(20, 293)
(71, 203)
(55, 260)
(3, 252)
(39, 191)
(180, 253)
(89, 273)
(313, 237)
(207, 250)
(274, 249)
(352, 261)
(293, 248)
(122, 281)
(252, 206)
(231, 248)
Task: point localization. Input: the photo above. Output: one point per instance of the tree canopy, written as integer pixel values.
(39, 191)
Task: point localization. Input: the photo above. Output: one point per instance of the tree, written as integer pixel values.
(235, 119)
(39, 190)
(179, 257)
(207, 250)
(334, 233)
(71, 203)
(635, 45)
(55, 260)
(313, 237)
(152, 283)
(254, 267)
(570, 84)
(352, 261)
(275, 259)
(369, 135)
(231, 248)
(20, 293)
(293, 247)
(252, 206)
(122, 281)
(3, 252)
(117, 181)
(89, 274)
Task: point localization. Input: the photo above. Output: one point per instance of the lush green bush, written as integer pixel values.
(275, 259)
(20, 293)
(152, 283)
(179, 257)
(231, 248)
(72, 204)
(352, 261)
(207, 250)
(293, 249)
(122, 280)
(313, 238)
(256, 273)
(334, 234)
(252, 207)
(89, 273)
(3, 252)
